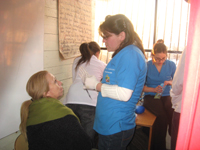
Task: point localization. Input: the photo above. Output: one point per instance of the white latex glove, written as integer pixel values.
(91, 82)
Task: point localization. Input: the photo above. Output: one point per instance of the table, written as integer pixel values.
(146, 119)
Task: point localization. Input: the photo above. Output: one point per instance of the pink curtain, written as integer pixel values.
(189, 129)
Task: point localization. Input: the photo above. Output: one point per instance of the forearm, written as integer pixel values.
(168, 82)
(111, 91)
(148, 89)
(114, 92)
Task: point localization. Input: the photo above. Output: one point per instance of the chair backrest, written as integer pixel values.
(21, 143)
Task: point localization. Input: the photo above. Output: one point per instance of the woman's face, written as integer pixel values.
(159, 58)
(55, 87)
(112, 41)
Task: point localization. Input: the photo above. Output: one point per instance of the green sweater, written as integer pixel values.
(53, 126)
(47, 109)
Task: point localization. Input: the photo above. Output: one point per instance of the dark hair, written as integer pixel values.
(117, 24)
(87, 50)
(159, 48)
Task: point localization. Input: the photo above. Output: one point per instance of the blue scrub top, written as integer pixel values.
(154, 78)
(127, 69)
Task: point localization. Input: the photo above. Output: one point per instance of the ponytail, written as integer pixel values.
(24, 116)
(87, 50)
(35, 87)
(85, 54)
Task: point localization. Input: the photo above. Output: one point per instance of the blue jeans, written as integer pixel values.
(117, 141)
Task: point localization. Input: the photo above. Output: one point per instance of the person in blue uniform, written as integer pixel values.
(121, 86)
(159, 71)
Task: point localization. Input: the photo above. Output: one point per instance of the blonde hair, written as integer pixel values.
(36, 86)
(24, 116)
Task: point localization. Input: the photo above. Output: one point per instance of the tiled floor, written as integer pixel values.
(7, 143)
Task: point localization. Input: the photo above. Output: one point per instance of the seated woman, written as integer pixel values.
(159, 71)
(46, 122)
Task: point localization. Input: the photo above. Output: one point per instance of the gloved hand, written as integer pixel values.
(91, 82)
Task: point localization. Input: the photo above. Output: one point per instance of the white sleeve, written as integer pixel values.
(177, 83)
(116, 92)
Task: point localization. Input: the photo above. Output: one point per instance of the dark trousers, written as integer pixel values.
(86, 114)
(117, 141)
(174, 132)
(162, 109)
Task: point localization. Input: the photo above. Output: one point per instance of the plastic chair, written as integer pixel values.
(21, 143)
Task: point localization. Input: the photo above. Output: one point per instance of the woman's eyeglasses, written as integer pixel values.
(105, 37)
(159, 59)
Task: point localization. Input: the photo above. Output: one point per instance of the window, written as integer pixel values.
(152, 20)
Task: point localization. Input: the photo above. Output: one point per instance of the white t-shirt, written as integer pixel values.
(76, 93)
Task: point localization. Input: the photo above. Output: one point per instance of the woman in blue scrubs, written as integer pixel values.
(159, 71)
(121, 86)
